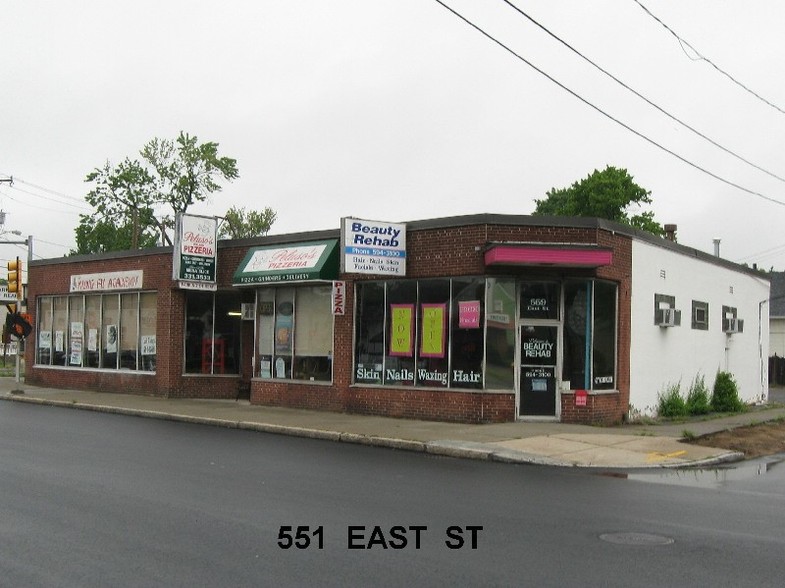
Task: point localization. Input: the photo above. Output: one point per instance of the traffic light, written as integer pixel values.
(19, 324)
(15, 277)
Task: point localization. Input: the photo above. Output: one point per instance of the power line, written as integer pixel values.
(605, 114)
(50, 191)
(638, 94)
(700, 57)
(765, 253)
(47, 208)
(83, 204)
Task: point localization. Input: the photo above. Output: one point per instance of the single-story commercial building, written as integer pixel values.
(481, 318)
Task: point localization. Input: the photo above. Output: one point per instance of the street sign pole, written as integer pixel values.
(18, 389)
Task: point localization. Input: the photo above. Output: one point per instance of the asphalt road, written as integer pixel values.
(92, 499)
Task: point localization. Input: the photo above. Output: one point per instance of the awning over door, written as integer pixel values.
(548, 255)
(297, 262)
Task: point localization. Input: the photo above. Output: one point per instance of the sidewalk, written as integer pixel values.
(547, 443)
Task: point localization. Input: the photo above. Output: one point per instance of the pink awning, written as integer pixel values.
(551, 255)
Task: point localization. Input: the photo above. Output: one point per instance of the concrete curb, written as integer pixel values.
(445, 448)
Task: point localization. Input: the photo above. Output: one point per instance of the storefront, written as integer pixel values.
(485, 318)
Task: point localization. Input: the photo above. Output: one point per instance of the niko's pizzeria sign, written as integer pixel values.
(195, 252)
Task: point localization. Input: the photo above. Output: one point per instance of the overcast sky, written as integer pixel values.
(397, 110)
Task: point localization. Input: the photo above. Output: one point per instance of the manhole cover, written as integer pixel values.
(636, 539)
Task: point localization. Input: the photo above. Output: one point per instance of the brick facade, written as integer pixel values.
(439, 248)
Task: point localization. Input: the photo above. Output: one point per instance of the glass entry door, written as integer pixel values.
(538, 370)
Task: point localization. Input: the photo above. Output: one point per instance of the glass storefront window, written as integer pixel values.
(198, 332)
(212, 333)
(590, 335)
(500, 335)
(227, 331)
(313, 331)
(436, 333)
(92, 330)
(467, 343)
(577, 334)
(284, 333)
(412, 332)
(59, 324)
(96, 330)
(295, 333)
(433, 321)
(76, 339)
(369, 333)
(110, 331)
(604, 340)
(401, 328)
(265, 312)
(147, 338)
(44, 349)
(129, 330)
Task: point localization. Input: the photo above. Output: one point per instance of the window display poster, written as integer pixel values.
(283, 333)
(59, 341)
(469, 314)
(77, 341)
(401, 331)
(265, 367)
(92, 339)
(111, 338)
(148, 344)
(434, 323)
(45, 339)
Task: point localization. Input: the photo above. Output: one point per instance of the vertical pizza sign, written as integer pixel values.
(195, 252)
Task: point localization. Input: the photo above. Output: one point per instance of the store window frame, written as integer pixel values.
(408, 307)
(286, 313)
(587, 364)
(70, 347)
(220, 353)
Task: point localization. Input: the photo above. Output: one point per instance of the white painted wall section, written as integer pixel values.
(660, 356)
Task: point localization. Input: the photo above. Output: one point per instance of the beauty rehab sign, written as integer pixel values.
(372, 247)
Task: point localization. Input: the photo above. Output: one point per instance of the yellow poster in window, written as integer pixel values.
(434, 321)
(401, 329)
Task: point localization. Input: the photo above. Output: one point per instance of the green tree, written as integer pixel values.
(608, 194)
(186, 172)
(101, 236)
(123, 198)
(239, 224)
(128, 198)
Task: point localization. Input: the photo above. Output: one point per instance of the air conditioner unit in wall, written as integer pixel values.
(668, 317)
(247, 309)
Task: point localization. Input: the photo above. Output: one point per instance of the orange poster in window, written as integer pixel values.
(434, 323)
(401, 329)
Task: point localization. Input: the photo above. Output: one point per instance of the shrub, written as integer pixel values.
(725, 395)
(698, 401)
(670, 403)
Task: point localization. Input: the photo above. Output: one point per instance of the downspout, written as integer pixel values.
(764, 392)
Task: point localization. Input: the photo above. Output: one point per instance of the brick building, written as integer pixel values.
(484, 318)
